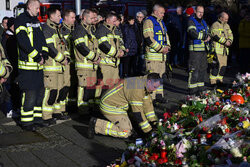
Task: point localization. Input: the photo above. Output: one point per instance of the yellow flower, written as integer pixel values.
(246, 124)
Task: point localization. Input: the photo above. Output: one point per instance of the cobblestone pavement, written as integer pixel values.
(65, 144)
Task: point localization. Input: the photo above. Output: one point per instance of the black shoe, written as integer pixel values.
(60, 116)
(31, 127)
(91, 129)
(49, 122)
(39, 125)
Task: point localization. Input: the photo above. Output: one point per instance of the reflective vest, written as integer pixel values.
(198, 45)
(161, 38)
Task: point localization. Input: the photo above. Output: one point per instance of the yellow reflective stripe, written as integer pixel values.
(189, 81)
(57, 106)
(108, 127)
(191, 27)
(86, 65)
(66, 36)
(2, 70)
(102, 39)
(20, 28)
(222, 40)
(44, 107)
(37, 108)
(26, 119)
(145, 97)
(110, 110)
(50, 40)
(27, 112)
(155, 56)
(45, 49)
(59, 57)
(219, 77)
(112, 91)
(91, 55)
(30, 68)
(200, 84)
(150, 114)
(136, 103)
(144, 125)
(66, 53)
(38, 114)
(80, 40)
(148, 30)
(33, 53)
(111, 51)
(200, 35)
(52, 68)
(155, 45)
(212, 77)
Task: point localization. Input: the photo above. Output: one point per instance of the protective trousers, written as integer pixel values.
(110, 77)
(160, 68)
(31, 109)
(86, 89)
(118, 125)
(217, 72)
(197, 71)
(53, 84)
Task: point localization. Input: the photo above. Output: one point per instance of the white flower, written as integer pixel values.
(226, 107)
(183, 106)
(235, 152)
(204, 101)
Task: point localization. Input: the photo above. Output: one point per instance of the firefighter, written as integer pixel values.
(32, 50)
(110, 51)
(87, 58)
(198, 38)
(70, 78)
(54, 67)
(115, 103)
(222, 39)
(157, 46)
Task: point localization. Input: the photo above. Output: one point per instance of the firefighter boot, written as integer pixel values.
(91, 129)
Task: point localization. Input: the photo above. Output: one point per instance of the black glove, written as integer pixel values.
(45, 55)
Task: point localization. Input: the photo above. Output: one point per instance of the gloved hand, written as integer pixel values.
(45, 55)
(154, 125)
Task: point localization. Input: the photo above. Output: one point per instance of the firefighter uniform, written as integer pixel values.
(197, 64)
(54, 81)
(86, 52)
(115, 104)
(109, 46)
(156, 38)
(221, 33)
(31, 47)
(5, 66)
(69, 73)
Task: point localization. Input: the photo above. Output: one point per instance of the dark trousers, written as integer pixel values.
(128, 66)
(197, 71)
(31, 110)
(244, 60)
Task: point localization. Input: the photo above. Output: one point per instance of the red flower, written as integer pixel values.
(200, 118)
(223, 121)
(227, 130)
(217, 103)
(154, 157)
(178, 162)
(166, 116)
(207, 107)
(191, 113)
(162, 160)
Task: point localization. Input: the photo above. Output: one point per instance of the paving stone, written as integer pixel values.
(5, 161)
(79, 156)
(54, 158)
(24, 159)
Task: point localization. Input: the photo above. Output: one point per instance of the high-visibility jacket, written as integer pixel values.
(156, 38)
(221, 33)
(30, 42)
(85, 47)
(133, 92)
(198, 32)
(108, 44)
(57, 45)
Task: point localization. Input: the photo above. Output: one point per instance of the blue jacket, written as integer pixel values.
(130, 41)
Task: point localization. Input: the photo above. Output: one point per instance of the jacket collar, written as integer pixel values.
(157, 18)
(221, 22)
(109, 26)
(52, 24)
(69, 27)
(85, 26)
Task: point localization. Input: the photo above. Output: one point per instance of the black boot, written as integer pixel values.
(48, 122)
(30, 127)
(62, 116)
(91, 129)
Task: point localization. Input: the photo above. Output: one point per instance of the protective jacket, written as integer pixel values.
(57, 45)
(198, 32)
(31, 44)
(133, 92)
(221, 33)
(156, 38)
(108, 44)
(66, 31)
(85, 47)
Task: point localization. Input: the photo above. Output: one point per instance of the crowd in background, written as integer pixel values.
(133, 62)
